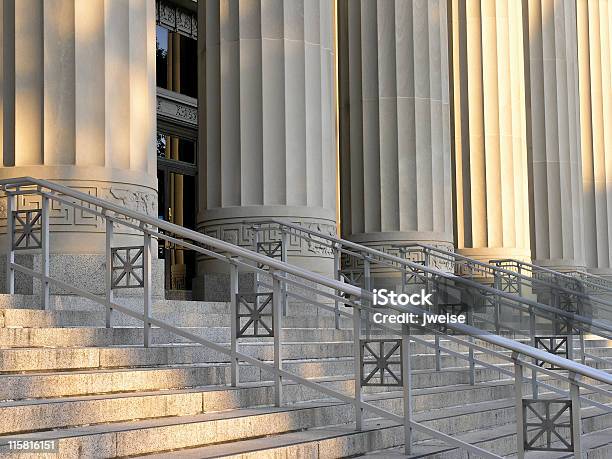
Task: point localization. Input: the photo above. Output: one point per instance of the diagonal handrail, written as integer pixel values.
(233, 255)
(584, 278)
(389, 260)
(492, 268)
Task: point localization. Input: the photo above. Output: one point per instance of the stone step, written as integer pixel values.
(162, 306)
(27, 318)
(71, 411)
(327, 442)
(159, 434)
(98, 336)
(39, 414)
(172, 308)
(85, 382)
(500, 440)
(44, 359)
(41, 359)
(162, 434)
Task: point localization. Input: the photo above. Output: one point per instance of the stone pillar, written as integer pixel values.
(395, 123)
(77, 86)
(267, 145)
(492, 214)
(595, 73)
(553, 134)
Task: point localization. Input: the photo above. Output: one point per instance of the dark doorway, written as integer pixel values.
(178, 194)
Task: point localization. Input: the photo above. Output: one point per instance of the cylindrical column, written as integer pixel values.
(267, 143)
(553, 134)
(78, 108)
(395, 122)
(595, 73)
(492, 206)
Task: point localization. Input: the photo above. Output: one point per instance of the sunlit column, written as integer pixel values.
(395, 123)
(267, 145)
(553, 134)
(492, 206)
(595, 72)
(78, 107)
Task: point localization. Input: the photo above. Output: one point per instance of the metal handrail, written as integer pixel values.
(515, 275)
(237, 256)
(555, 274)
(389, 260)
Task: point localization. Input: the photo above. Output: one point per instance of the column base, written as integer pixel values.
(85, 271)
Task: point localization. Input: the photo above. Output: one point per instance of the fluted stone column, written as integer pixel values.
(267, 145)
(553, 134)
(492, 214)
(595, 72)
(77, 100)
(395, 124)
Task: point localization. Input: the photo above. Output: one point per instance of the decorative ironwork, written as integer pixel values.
(272, 249)
(27, 229)
(552, 425)
(557, 345)
(176, 19)
(128, 267)
(254, 317)
(565, 326)
(570, 302)
(353, 277)
(381, 362)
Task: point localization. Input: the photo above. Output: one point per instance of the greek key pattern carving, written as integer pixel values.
(242, 234)
(69, 218)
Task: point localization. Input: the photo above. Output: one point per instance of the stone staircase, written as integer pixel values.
(100, 393)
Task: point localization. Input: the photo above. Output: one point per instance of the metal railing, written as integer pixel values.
(576, 280)
(362, 260)
(28, 231)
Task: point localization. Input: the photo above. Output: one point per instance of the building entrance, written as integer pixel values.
(177, 182)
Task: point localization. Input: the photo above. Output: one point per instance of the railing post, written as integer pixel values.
(284, 248)
(108, 274)
(497, 301)
(44, 262)
(367, 284)
(532, 333)
(357, 365)
(471, 351)
(337, 260)
(277, 323)
(256, 241)
(10, 253)
(407, 389)
(146, 253)
(576, 421)
(518, 396)
(235, 376)
(582, 348)
(438, 352)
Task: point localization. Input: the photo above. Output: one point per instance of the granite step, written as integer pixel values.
(100, 336)
(44, 359)
(103, 381)
(28, 318)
